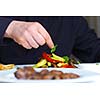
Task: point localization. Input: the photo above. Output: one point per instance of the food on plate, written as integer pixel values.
(6, 67)
(30, 73)
(53, 60)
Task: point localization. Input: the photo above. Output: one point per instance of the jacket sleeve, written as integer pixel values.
(87, 45)
(4, 22)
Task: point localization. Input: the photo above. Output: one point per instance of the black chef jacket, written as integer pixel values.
(70, 33)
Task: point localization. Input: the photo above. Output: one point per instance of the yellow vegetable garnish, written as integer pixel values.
(56, 57)
(42, 62)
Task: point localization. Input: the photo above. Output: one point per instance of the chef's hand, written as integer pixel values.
(28, 34)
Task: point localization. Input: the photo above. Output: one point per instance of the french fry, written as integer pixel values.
(6, 67)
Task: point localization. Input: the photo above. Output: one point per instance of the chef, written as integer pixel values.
(24, 38)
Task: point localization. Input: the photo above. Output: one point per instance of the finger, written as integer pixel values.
(26, 45)
(46, 36)
(38, 38)
(31, 41)
(23, 43)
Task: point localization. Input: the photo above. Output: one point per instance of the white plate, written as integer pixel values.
(95, 67)
(6, 72)
(85, 76)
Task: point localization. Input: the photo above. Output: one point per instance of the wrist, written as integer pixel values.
(9, 29)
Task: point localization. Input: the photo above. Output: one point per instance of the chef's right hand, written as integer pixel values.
(28, 34)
